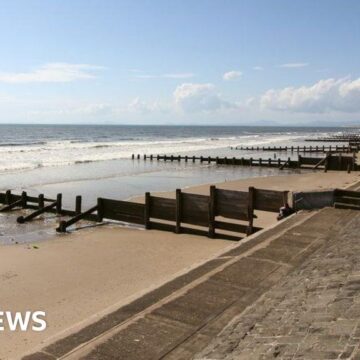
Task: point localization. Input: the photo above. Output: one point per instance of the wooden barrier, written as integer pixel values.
(309, 149)
(346, 199)
(201, 210)
(276, 163)
(269, 200)
(177, 214)
(42, 209)
(119, 210)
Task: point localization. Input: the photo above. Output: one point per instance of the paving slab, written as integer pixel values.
(311, 313)
(243, 303)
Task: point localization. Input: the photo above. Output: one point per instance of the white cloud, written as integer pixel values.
(191, 97)
(139, 106)
(232, 75)
(179, 76)
(166, 76)
(53, 72)
(258, 68)
(294, 65)
(91, 109)
(329, 95)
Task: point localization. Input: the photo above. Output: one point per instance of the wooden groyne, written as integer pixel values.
(40, 205)
(190, 213)
(297, 149)
(277, 163)
(329, 162)
(351, 137)
(222, 210)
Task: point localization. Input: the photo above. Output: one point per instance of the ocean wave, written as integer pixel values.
(70, 152)
(23, 144)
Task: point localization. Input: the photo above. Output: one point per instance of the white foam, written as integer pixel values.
(57, 153)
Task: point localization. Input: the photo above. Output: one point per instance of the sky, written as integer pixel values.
(213, 62)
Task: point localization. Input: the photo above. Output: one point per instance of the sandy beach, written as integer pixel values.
(79, 277)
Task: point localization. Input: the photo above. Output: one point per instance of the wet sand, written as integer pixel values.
(79, 277)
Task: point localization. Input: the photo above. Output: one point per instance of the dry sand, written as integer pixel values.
(77, 278)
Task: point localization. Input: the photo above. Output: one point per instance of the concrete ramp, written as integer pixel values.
(187, 315)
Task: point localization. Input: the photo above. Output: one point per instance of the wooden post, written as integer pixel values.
(147, 211)
(193, 159)
(201, 159)
(138, 156)
(144, 156)
(178, 211)
(186, 158)
(151, 157)
(179, 158)
(340, 162)
(209, 159)
(58, 203)
(251, 210)
(8, 197)
(78, 201)
(212, 206)
(172, 158)
(260, 161)
(23, 199)
(217, 160)
(269, 161)
(133, 156)
(251, 161)
(326, 163)
(348, 168)
(41, 201)
(100, 210)
(279, 162)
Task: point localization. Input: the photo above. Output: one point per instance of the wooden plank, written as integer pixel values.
(251, 210)
(178, 211)
(64, 224)
(123, 211)
(147, 210)
(232, 204)
(350, 193)
(23, 219)
(309, 160)
(269, 200)
(212, 207)
(154, 225)
(195, 209)
(162, 208)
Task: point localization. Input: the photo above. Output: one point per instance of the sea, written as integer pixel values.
(94, 161)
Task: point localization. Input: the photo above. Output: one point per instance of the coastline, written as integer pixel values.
(78, 277)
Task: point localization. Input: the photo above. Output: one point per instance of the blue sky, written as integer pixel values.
(180, 62)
